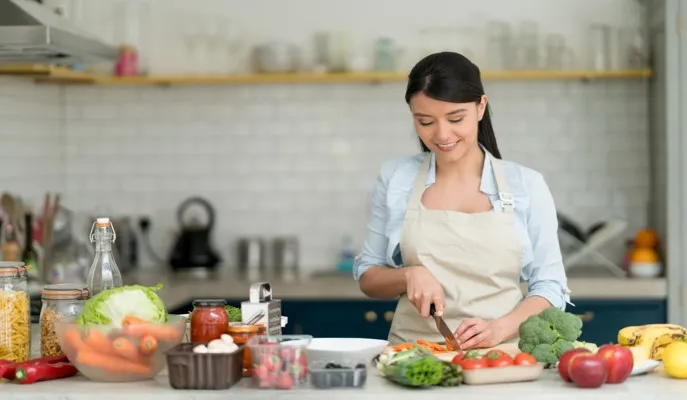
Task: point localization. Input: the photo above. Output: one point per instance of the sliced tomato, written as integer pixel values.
(525, 359)
(468, 363)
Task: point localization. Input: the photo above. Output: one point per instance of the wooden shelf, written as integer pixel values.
(57, 75)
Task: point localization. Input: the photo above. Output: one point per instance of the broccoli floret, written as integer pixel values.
(589, 346)
(526, 347)
(568, 326)
(544, 353)
(535, 330)
(561, 346)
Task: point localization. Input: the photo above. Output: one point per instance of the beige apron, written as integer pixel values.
(475, 257)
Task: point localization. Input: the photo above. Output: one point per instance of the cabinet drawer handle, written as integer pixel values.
(370, 316)
(586, 317)
(389, 316)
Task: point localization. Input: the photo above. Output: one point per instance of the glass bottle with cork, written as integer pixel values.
(104, 273)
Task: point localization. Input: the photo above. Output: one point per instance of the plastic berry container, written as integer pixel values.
(279, 362)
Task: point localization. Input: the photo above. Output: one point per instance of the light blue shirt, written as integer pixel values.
(535, 214)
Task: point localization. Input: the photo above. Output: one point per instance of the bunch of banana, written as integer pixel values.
(649, 341)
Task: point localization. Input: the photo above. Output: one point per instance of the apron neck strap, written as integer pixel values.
(420, 183)
(505, 196)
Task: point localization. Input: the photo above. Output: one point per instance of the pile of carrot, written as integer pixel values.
(127, 351)
(431, 346)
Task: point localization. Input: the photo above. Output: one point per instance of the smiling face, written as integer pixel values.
(447, 129)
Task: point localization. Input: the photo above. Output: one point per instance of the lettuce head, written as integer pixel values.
(110, 306)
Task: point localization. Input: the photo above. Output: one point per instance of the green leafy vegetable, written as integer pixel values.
(415, 368)
(234, 313)
(452, 375)
(549, 334)
(109, 307)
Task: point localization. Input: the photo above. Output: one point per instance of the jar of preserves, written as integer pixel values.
(209, 320)
(61, 303)
(15, 318)
(241, 333)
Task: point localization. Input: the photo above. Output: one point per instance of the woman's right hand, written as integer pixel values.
(423, 290)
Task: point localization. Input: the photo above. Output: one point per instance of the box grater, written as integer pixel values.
(260, 301)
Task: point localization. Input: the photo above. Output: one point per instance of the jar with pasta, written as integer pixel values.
(61, 303)
(15, 318)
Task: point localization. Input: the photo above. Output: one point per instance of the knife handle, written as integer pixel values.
(432, 309)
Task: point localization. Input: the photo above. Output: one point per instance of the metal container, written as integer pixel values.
(203, 371)
(252, 257)
(286, 253)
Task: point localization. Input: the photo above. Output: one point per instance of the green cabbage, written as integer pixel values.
(110, 306)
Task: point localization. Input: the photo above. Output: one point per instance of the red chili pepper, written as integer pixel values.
(44, 372)
(8, 369)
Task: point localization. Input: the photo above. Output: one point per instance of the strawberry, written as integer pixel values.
(271, 362)
(284, 381)
(260, 372)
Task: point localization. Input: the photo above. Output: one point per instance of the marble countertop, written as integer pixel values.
(652, 386)
(179, 289)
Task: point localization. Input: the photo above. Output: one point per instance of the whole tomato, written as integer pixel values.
(457, 359)
(525, 359)
(619, 362)
(498, 359)
(472, 363)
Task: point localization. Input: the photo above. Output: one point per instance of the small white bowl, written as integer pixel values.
(343, 350)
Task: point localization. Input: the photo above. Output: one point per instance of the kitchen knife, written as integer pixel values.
(451, 343)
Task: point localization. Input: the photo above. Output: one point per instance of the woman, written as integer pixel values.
(456, 226)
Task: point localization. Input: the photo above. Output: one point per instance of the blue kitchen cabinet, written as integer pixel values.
(604, 318)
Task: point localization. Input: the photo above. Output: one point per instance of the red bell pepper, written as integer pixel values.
(32, 373)
(8, 369)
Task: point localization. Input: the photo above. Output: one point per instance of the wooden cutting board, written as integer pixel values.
(510, 348)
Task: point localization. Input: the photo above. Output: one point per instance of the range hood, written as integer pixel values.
(30, 33)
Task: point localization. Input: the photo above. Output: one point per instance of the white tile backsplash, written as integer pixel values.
(304, 160)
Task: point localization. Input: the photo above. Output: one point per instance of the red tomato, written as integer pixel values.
(468, 363)
(525, 359)
(457, 359)
(498, 359)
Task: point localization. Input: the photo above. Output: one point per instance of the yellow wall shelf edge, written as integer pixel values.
(63, 76)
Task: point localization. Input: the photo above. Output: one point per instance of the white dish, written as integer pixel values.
(645, 367)
(342, 350)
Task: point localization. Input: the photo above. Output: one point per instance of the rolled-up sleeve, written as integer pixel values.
(547, 278)
(376, 241)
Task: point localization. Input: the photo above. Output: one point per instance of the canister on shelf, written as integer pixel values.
(61, 303)
(260, 299)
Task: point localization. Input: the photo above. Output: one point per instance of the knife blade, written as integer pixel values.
(451, 342)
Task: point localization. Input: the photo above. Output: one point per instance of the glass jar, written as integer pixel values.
(209, 320)
(241, 333)
(15, 318)
(61, 303)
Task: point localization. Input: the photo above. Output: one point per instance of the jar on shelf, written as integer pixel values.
(209, 320)
(61, 303)
(15, 318)
(241, 333)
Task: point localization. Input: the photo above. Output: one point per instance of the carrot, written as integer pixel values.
(158, 331)
(72, 337)
(99, 342)
(133, 320)
(124, 348)
(148, 345)
(111, 363)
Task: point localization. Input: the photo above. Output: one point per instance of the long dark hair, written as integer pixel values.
(452, 78)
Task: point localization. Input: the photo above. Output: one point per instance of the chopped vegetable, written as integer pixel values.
(111, 307)
(415, 367)
(111, 363)
(549, 334)
(44, 372)
(431, 346)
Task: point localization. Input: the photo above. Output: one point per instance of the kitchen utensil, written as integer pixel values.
(260, 300)
(158, 359)
(251, 258)
(344, 350)
(451, 342)
(193, 248)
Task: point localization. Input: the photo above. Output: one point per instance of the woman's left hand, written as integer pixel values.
(476, 332)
